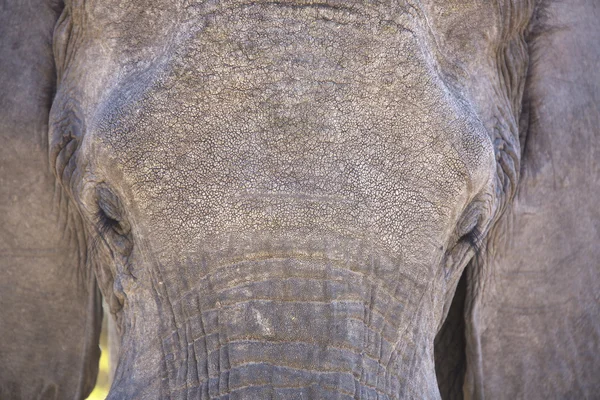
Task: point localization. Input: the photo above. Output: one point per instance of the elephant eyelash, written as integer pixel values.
(109, 217)
(106, 224)
(97, 238)
(110, 234)
(474, 239)
(104, 227)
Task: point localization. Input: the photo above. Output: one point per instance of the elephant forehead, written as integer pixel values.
(366, 142)
(230, 166)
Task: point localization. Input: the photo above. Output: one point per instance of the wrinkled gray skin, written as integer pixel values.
(279, 199)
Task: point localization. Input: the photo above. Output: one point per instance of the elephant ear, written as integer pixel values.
(50, 308)
(533, 311)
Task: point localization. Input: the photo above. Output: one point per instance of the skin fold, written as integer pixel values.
(299, 199)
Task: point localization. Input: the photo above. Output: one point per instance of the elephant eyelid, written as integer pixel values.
(109, 215)
(107, 224)
(474, 239)
(108, 209)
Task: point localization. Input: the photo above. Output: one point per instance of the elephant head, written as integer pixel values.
(301, 199)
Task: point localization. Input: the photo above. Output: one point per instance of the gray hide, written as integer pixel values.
(300, 199)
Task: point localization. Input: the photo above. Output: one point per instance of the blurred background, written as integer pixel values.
(102, 385)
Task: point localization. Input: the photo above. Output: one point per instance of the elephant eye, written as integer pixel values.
(113, 230)
(110, 214)
(473, 238)
(107, 224)
(468, 228)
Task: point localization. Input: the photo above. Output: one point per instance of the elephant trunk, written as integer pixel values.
(285, 327)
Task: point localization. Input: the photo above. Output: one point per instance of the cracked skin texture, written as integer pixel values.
(278, 199)
(289, 193)
(295, 208)
(237, 121)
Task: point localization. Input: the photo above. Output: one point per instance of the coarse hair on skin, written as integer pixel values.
(475, 239)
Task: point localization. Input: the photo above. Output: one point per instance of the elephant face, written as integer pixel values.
(300, 199)
(278, 199)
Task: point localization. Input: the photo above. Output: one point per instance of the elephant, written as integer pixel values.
(301, 199)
